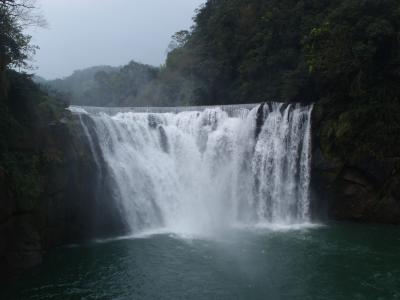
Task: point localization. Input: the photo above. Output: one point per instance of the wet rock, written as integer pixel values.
(6, 206)
(346, 186)
(24, 246)
(74, 204)
(163, 139)
(260, 119)
(154, 121)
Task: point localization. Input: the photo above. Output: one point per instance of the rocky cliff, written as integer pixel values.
(356, 165)
(64, 209)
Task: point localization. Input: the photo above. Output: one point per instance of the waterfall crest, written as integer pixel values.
(201, 169)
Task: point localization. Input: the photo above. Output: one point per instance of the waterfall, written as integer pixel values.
(202, 169)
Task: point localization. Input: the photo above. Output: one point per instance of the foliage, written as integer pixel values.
(288, 50)
(24, 109)
(15, 47)
(354, 52)
(23, 171)
(23, 114)
(249, 51)
(353, 55)
(362, 131)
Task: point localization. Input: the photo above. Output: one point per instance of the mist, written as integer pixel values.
(87, 33)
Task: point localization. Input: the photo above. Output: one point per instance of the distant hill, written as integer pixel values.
(104, 85)
(75, 86)
(39, 80)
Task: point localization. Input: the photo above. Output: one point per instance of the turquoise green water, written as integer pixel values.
(339, 261)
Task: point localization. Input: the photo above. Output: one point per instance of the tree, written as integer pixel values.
(354, 52)
(15, 47)
(25, 12)
(179, 39)
(15, 17)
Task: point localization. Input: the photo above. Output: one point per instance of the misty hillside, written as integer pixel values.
(104, 85)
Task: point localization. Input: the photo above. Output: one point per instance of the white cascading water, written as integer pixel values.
(202, 171)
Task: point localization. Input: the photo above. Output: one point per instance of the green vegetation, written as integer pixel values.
(354, 57)
(289, 50)
(24, 109)
(249, 51)
(25, 112)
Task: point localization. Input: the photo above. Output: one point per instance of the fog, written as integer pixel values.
(84, 33)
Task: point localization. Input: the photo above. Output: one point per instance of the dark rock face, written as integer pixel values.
(75, 204)
(260, 119)
(23, 245)
(163, 139)
(344, 188)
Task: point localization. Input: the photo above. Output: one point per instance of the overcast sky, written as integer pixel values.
(84, 33)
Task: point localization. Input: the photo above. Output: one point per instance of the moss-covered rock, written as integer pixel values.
(356, 160)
